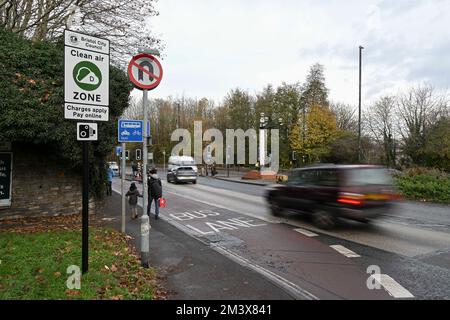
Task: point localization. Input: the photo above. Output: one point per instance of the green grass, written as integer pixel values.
(424, 185)
(34, 266)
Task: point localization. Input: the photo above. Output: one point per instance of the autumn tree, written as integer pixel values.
(321, 131)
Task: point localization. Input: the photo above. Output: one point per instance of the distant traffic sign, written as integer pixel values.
(145, 71)
(130, 130)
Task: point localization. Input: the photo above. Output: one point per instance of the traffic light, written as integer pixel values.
(127, 154)
(138, 154)
(294, 155)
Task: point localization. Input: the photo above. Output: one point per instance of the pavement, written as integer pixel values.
(191, 269)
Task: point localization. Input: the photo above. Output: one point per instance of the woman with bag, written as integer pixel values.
(154, 192)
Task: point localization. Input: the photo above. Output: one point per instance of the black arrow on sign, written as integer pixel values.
(141, 73)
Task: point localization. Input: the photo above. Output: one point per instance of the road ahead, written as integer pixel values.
(411, 249)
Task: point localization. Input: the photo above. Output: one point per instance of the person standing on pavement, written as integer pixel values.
(134, 169)
(154, 192)
(213, 169)
(133, 195)
(110, 179)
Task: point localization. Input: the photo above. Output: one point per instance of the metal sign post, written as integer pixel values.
(85, 213)
(127, 131)
(144, 147)
(145, 71)
(86, 97)
(122, 184)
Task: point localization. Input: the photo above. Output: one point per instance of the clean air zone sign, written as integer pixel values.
(86, 77)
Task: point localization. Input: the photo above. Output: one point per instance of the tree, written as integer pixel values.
(437, 146)
(380, 123)
(315, 92)
(123, 22)
(31, 101)
(345, 116)
(286, 105)
(419, 109)
(321, 131)
(239, 105)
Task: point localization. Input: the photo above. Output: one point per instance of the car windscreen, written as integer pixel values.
(367, 176)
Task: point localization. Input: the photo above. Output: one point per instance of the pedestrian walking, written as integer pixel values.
(154, 191)
(133, 195)
(110, 179)
(213, 169)
(134, 169)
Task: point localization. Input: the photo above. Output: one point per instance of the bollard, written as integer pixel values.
(145, 232)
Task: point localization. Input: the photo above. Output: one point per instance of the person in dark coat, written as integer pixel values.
(154, 191)
(133, 195)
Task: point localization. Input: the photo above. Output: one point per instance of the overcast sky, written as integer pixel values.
(213, 46)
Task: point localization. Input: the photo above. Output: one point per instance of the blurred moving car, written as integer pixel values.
(182, 169)
(113, 165)
(357, 192)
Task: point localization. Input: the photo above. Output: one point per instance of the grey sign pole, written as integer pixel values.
(122, 185)
(145, 157)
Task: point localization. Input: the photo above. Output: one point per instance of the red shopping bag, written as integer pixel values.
(162, 202)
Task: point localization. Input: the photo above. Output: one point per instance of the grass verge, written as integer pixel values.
(33, 266)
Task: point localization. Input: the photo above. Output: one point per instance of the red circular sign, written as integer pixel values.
(145, 71)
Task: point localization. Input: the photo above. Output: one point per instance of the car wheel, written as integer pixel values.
(324, 219)
(275, 208)
(194, 182)
(168, 179)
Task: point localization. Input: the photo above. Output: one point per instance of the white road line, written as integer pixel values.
(306, 232)
(392, 287)
(291, 287)
(343, 250)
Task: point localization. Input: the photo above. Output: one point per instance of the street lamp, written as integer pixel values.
(153, 52)
(359, 105)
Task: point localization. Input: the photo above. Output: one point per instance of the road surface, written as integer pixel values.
(401, 256)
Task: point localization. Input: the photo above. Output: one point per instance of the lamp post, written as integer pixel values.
(359, 105)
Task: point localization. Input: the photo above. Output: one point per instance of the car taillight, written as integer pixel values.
(354, 199)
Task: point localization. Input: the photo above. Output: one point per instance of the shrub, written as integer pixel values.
(424, 184)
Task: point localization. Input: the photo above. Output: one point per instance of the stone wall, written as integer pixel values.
(42, 185)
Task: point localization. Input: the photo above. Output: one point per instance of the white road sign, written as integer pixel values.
(86, 112)
(87, 131)
(86, 69)
(86, 42)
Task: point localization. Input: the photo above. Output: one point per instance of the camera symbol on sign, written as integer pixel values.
(87, 131)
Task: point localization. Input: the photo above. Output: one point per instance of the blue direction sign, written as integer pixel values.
(118, 151)
(130, 130)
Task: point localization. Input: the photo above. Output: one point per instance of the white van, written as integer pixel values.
(182, 169)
